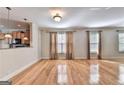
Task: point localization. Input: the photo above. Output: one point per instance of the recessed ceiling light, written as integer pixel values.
(95, 8)
(107, 8)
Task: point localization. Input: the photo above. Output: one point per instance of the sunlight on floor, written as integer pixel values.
(62, 74)
(121, 74)
(94, 74)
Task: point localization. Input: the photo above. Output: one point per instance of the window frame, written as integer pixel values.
(61, 44)
(97, 43)
(119, 42)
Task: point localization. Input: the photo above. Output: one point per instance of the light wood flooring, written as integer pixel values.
(78, 72)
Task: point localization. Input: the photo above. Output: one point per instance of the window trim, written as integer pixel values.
(61, 43)
(95, 52)
(119, 32)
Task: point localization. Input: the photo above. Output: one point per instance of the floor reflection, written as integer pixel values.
(73, 72)
(62, 74)
(121, 74)
(94, 74)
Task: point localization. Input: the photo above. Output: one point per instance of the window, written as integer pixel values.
(121, 42)
(61, 42)
(94, 41)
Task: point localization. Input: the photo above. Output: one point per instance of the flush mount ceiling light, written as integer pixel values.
(95, 8)
(107, 8)
(57, 18)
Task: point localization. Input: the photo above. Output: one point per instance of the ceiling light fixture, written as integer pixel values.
(25, 37)
(95, 8)
(107, 8)
(57, 18)
(8, 35)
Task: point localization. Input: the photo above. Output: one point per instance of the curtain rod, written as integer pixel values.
(69, 31)
(63, 29)
(119, 30)
(58, 30)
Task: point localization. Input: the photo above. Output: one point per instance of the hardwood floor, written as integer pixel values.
(72, 72)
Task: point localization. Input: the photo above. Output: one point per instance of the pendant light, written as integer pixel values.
(25, 37)
(8, 34)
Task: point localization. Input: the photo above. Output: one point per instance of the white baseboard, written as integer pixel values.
(45, 58)
(111, 57)
(80, 58)
(18, 71)
(116, 59)
(74, 58)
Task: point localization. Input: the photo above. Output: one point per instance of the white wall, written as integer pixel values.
(109, 44)
(80, 45)
(45, 45)
(13, 61)
(45, 42)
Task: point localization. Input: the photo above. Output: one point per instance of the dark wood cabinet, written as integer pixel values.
(1, 36)
(21, 35)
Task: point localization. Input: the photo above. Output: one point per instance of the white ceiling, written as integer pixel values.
(72, 16)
